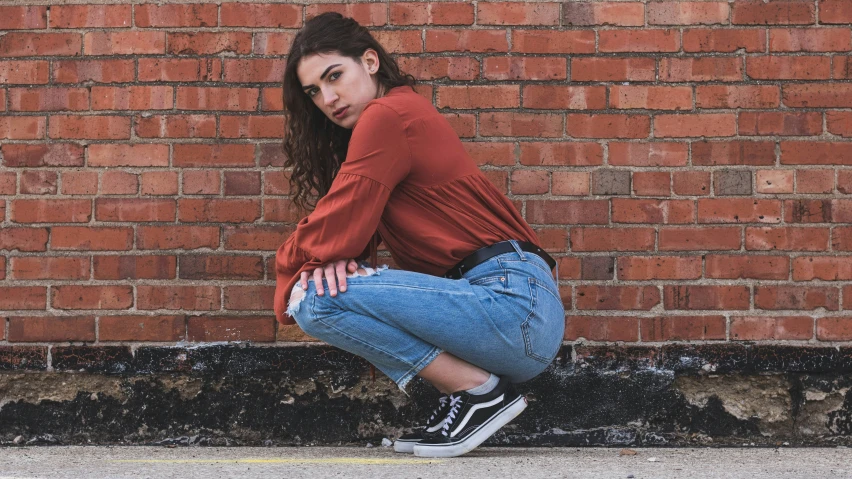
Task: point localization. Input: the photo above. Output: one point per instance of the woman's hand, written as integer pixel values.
(339, 268)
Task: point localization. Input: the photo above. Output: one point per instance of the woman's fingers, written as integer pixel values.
(340, 267)
(318, 280)
(330, 277)
(304, 280)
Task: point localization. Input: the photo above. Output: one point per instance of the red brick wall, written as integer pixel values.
(687, 162)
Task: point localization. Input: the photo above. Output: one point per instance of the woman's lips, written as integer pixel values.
(340, 115)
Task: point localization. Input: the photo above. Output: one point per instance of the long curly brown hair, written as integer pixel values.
(314, 145)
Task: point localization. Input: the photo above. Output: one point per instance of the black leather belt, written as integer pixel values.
(483, 254)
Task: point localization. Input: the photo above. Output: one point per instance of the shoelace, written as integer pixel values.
(455, 404)
(443, 400)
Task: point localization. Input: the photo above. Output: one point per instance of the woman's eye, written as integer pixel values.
(332, 77)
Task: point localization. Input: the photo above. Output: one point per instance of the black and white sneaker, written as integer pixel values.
(472, 419)
(405, 443)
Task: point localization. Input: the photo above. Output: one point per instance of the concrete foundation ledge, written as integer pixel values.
(240, 394)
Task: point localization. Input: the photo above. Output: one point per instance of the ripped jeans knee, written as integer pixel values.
(297, 295)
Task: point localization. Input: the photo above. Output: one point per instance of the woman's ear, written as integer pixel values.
(370, 59)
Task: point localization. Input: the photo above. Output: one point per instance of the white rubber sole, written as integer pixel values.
(505, 416)
(404, 446)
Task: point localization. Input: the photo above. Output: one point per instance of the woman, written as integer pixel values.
(475, 306)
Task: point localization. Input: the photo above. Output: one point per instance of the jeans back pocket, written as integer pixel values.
(544, 327)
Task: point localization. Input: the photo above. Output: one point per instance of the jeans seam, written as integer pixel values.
(403, 381)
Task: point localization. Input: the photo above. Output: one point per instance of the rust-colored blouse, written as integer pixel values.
(407, 181)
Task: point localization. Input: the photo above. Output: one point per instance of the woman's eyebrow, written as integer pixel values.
(305, 87)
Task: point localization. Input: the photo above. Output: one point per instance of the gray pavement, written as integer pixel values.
(115, 462)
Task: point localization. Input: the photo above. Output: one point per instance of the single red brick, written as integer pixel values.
(766, 123)
(366, 14)
(235, 328)
(217, 98)
(172, 297)
(815, 153)
(455, 68)
(814, 181)
(260, 15)
(835, 11)
(634, 210)
(20, 44)
(119, 183)
(650, 97)
(38, 182)
(214, 156)
(251, 126)
(787, 238)
(134, 209)
(727, 40)
(694, 125)
(23, 239)
(612, 239)
(617, 297)
(23, 297)
(515, 13)
(706, 297)
(99, 71)
(22, 128)
(23, 71)
(192, 15)
(180, 69)
(551, 41)
(679, 13)
(53, 154)
(683, 328)
(569, 183)
(796, 297)
(400, 41)
(176, 126)
(429, 13)
(520, 124)
(253, 238)
(202, 43)
(624, 14)
(701, 69)
(249, 298)
(525, 182)
(747, 267)
(218, 210)
(141, 328)
(94, 127)
(524, 68)
(491, 153)
(159, 183)
(27, 17)
(50, 267)
(272, 99)
(8, 183)
(613, 69)
(88, 238)
(772, 67)
(254, 70)
(779, 12)
(564, 97)
(744, 96)
(691, 183)
(132, 98)
(761, 328)
(51, 211)
(124, 43)
(810, 39)
(650, 40)
(567, 211)
(177, 237)
(51, 328)
(638, 268)
(834, 329)
(91, 297)
(652, 183)
(201, 182)
(475, 97)
(774, 181)
(839, 123)
(828, 268)
(738, 210)
(718, 153)
(593, 125)
(692, 239)
(602, 328)
(90, 16)
(830, 95)
(135, 267)
(48, 99)
(648, 154)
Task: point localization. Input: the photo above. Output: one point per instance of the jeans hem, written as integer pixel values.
(403, 381)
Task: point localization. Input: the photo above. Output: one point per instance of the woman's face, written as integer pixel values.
(339, 84)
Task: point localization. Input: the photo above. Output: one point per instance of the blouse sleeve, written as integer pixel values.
(347, 217)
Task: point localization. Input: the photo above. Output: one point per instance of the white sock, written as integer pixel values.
(485, 387)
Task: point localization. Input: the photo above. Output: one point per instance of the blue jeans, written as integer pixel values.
(504, 315)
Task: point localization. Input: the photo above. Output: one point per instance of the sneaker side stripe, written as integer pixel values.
(473, 410)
